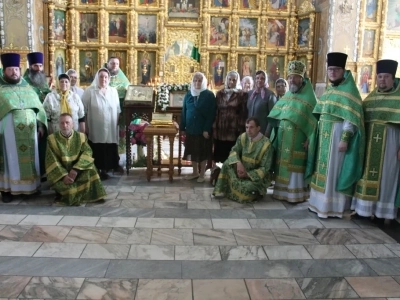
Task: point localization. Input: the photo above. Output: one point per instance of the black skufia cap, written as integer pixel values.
(337, 59)
(386, 66)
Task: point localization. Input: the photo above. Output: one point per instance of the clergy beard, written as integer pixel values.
(113, 72)
(336, 82)
(38, 78)
(11, 80)
(294, 88)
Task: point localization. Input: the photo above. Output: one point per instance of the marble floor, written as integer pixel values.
(161, 240)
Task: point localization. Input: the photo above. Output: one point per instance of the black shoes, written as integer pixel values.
(7, 197)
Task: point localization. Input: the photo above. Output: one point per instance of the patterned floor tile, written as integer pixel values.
(43, 220)
(95, 235)
(213, 237)
(102, 288)
(46, 234)
(230, 224)
(11, 219)
(116, 222)
(78, 221)
(106, 251)
(268, 289)
(138, 236)
(333, 236)
(370, 251)
(52, 287)
(287, 252)
(193, 223)
(177, 289)
(232, 289)
(371, 236)
(249, 237)
(61, 250)
(329, 251)
(268, 224)
(11, 286)
(13, 232)
(197, 253)
(294, 237)
(11, 248)
(154, 223)
(382, 286)
(151, 252)
(181, 237)
(242, 253)
(325, 288)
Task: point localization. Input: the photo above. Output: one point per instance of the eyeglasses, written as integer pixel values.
(334, 69)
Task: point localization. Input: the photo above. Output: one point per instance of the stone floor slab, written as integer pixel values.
(269, 289)
(211, 237)
(287, 252)
(151, 252)
(12, 286)
(268, 224)
(326, 288)
(102, 288)
(138, 236)
(116, 222)
(150, 289)
(371, 236)
(144, 269)
(60, 250)
(180, 237)
(106, 251)
(242, 253)
(8, 219)
(219, 289)
(329, 251)
(371, 251)
(53, 288)
(254, 237)
(382, 286)
(333, 236)
(54, 234)
(192, 223)
(42, 220)
(97, 235)
(78, 221)
(197, 253)
(155, 223)
(230, 224)
(10, 248)
(13, 232)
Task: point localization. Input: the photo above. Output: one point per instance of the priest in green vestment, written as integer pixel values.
(70, 166)
(36, 78)
(119, 81)
(22, 123)
(294, 126)
(337, 155)
(378, 191)
(245, 174)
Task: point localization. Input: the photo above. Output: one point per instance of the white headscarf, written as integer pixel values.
(95, 81)
(237, 87)
(284, 80)
(196, 92)
(249, 78)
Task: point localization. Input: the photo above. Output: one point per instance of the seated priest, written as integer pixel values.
(70, 167)
(245, 174)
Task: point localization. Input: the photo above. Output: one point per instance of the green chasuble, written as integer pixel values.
(293, 114)
(380, 110)
(256, 157)
(21, 101)
(121, 82)
(42, 91)
(74, 152)
(338, 103)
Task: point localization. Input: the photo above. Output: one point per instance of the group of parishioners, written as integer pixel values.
(341, 153)
(82, 144)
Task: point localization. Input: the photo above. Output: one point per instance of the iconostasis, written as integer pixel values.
(168, 40)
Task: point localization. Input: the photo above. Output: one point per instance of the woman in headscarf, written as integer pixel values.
(63, 100)
(281, 87)
(102, 111)
(261, 101)
(230, 119)
(198, 114)
(247, 83)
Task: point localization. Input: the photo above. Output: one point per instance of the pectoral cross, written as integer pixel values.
(373, 172)
(377, 138)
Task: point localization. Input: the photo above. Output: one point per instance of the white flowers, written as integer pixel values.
(164, 90)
